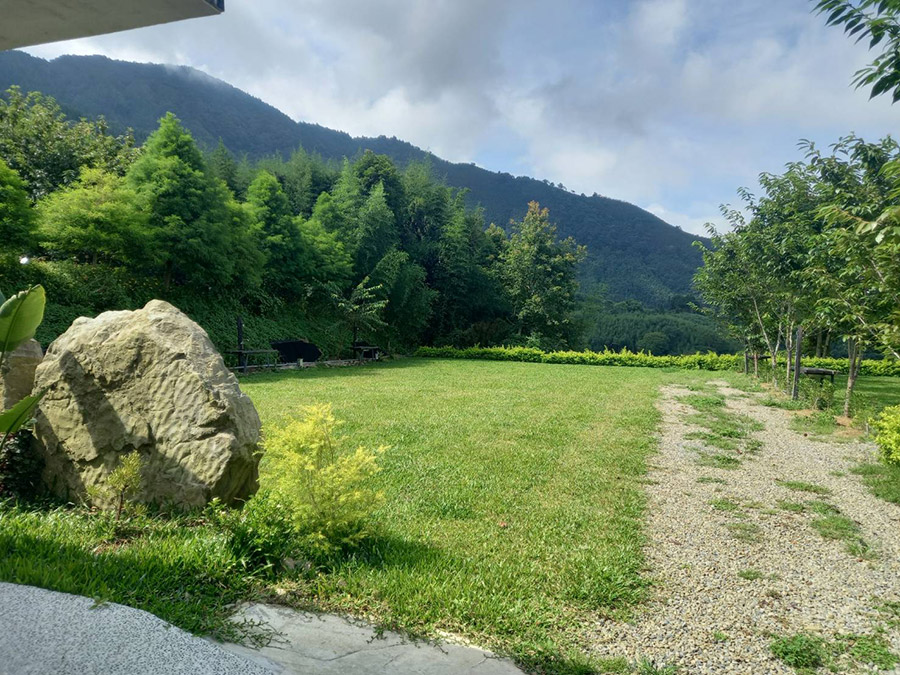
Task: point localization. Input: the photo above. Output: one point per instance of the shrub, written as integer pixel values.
(707, 361)
(888, 438)
(20, 468)
(322, 483)
(261, 533)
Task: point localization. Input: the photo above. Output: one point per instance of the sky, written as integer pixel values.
(669, 104)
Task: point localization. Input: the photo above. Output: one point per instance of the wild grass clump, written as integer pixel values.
(882, 479)
(800, 650)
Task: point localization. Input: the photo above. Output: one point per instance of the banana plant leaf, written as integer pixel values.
(20, 317)
(12, 420)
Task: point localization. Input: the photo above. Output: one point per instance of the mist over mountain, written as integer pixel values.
(631, 253)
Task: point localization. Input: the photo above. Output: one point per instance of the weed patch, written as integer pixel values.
(883, 480)
(725, 505)
(802, 486)
(800, 651)
(718, 461)
(744, 531)
(841, 528)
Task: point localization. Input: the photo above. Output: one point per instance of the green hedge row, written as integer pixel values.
(708, 361)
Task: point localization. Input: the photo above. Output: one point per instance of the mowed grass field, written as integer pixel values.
(513, 503)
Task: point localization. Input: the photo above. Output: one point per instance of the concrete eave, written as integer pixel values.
(24, 23)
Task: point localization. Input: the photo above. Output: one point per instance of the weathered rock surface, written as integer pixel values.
(17, 374)
(148, 380)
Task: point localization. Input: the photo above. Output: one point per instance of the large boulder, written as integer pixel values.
(148, 380)
(17, 373)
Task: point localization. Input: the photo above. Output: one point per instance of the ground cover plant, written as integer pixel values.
(807, 653)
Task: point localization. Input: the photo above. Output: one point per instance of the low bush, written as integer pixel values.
(320, 482)
(20, 468)
(888, 439)
(261, 533)
(707, 361)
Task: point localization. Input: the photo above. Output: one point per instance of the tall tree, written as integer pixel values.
(16, 215)
(95, 219)
(376, 232)
(223, 166)
(47, 150)
(401, 283)
(539, 274)
(196, 239)
(279, 235)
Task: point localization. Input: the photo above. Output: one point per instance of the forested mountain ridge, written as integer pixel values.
(631, 252)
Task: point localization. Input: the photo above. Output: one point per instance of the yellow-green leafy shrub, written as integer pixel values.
(323, 484)
(888, 438)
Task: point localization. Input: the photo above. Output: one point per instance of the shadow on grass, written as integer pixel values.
(181, 580)
(319, 372)
(385, 551)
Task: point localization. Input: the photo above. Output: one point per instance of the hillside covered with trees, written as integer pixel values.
(631, 254)
(299, 248)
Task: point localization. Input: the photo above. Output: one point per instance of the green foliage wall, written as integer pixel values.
(708, 361)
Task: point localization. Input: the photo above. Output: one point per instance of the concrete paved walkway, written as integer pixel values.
(326, 644)
(47, 632)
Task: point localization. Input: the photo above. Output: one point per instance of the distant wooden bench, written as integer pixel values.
(367, 352)
(821, 373)
(268, 356)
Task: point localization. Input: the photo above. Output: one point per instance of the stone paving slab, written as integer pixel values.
(45, 632)
(327, 644)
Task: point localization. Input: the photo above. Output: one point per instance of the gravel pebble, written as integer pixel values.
(705, 618)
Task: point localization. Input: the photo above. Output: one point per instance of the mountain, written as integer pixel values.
(631, 252)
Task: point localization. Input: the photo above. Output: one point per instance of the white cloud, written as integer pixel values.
(669, 103)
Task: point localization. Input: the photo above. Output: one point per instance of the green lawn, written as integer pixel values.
(512, 516)
(513, 504)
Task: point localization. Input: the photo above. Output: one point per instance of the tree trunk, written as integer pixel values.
(853, 349)
(798, 352)
(746, 362)
(756, 364)
(788, 356)
(818, 344)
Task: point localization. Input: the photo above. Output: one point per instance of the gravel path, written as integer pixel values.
(704, 617)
